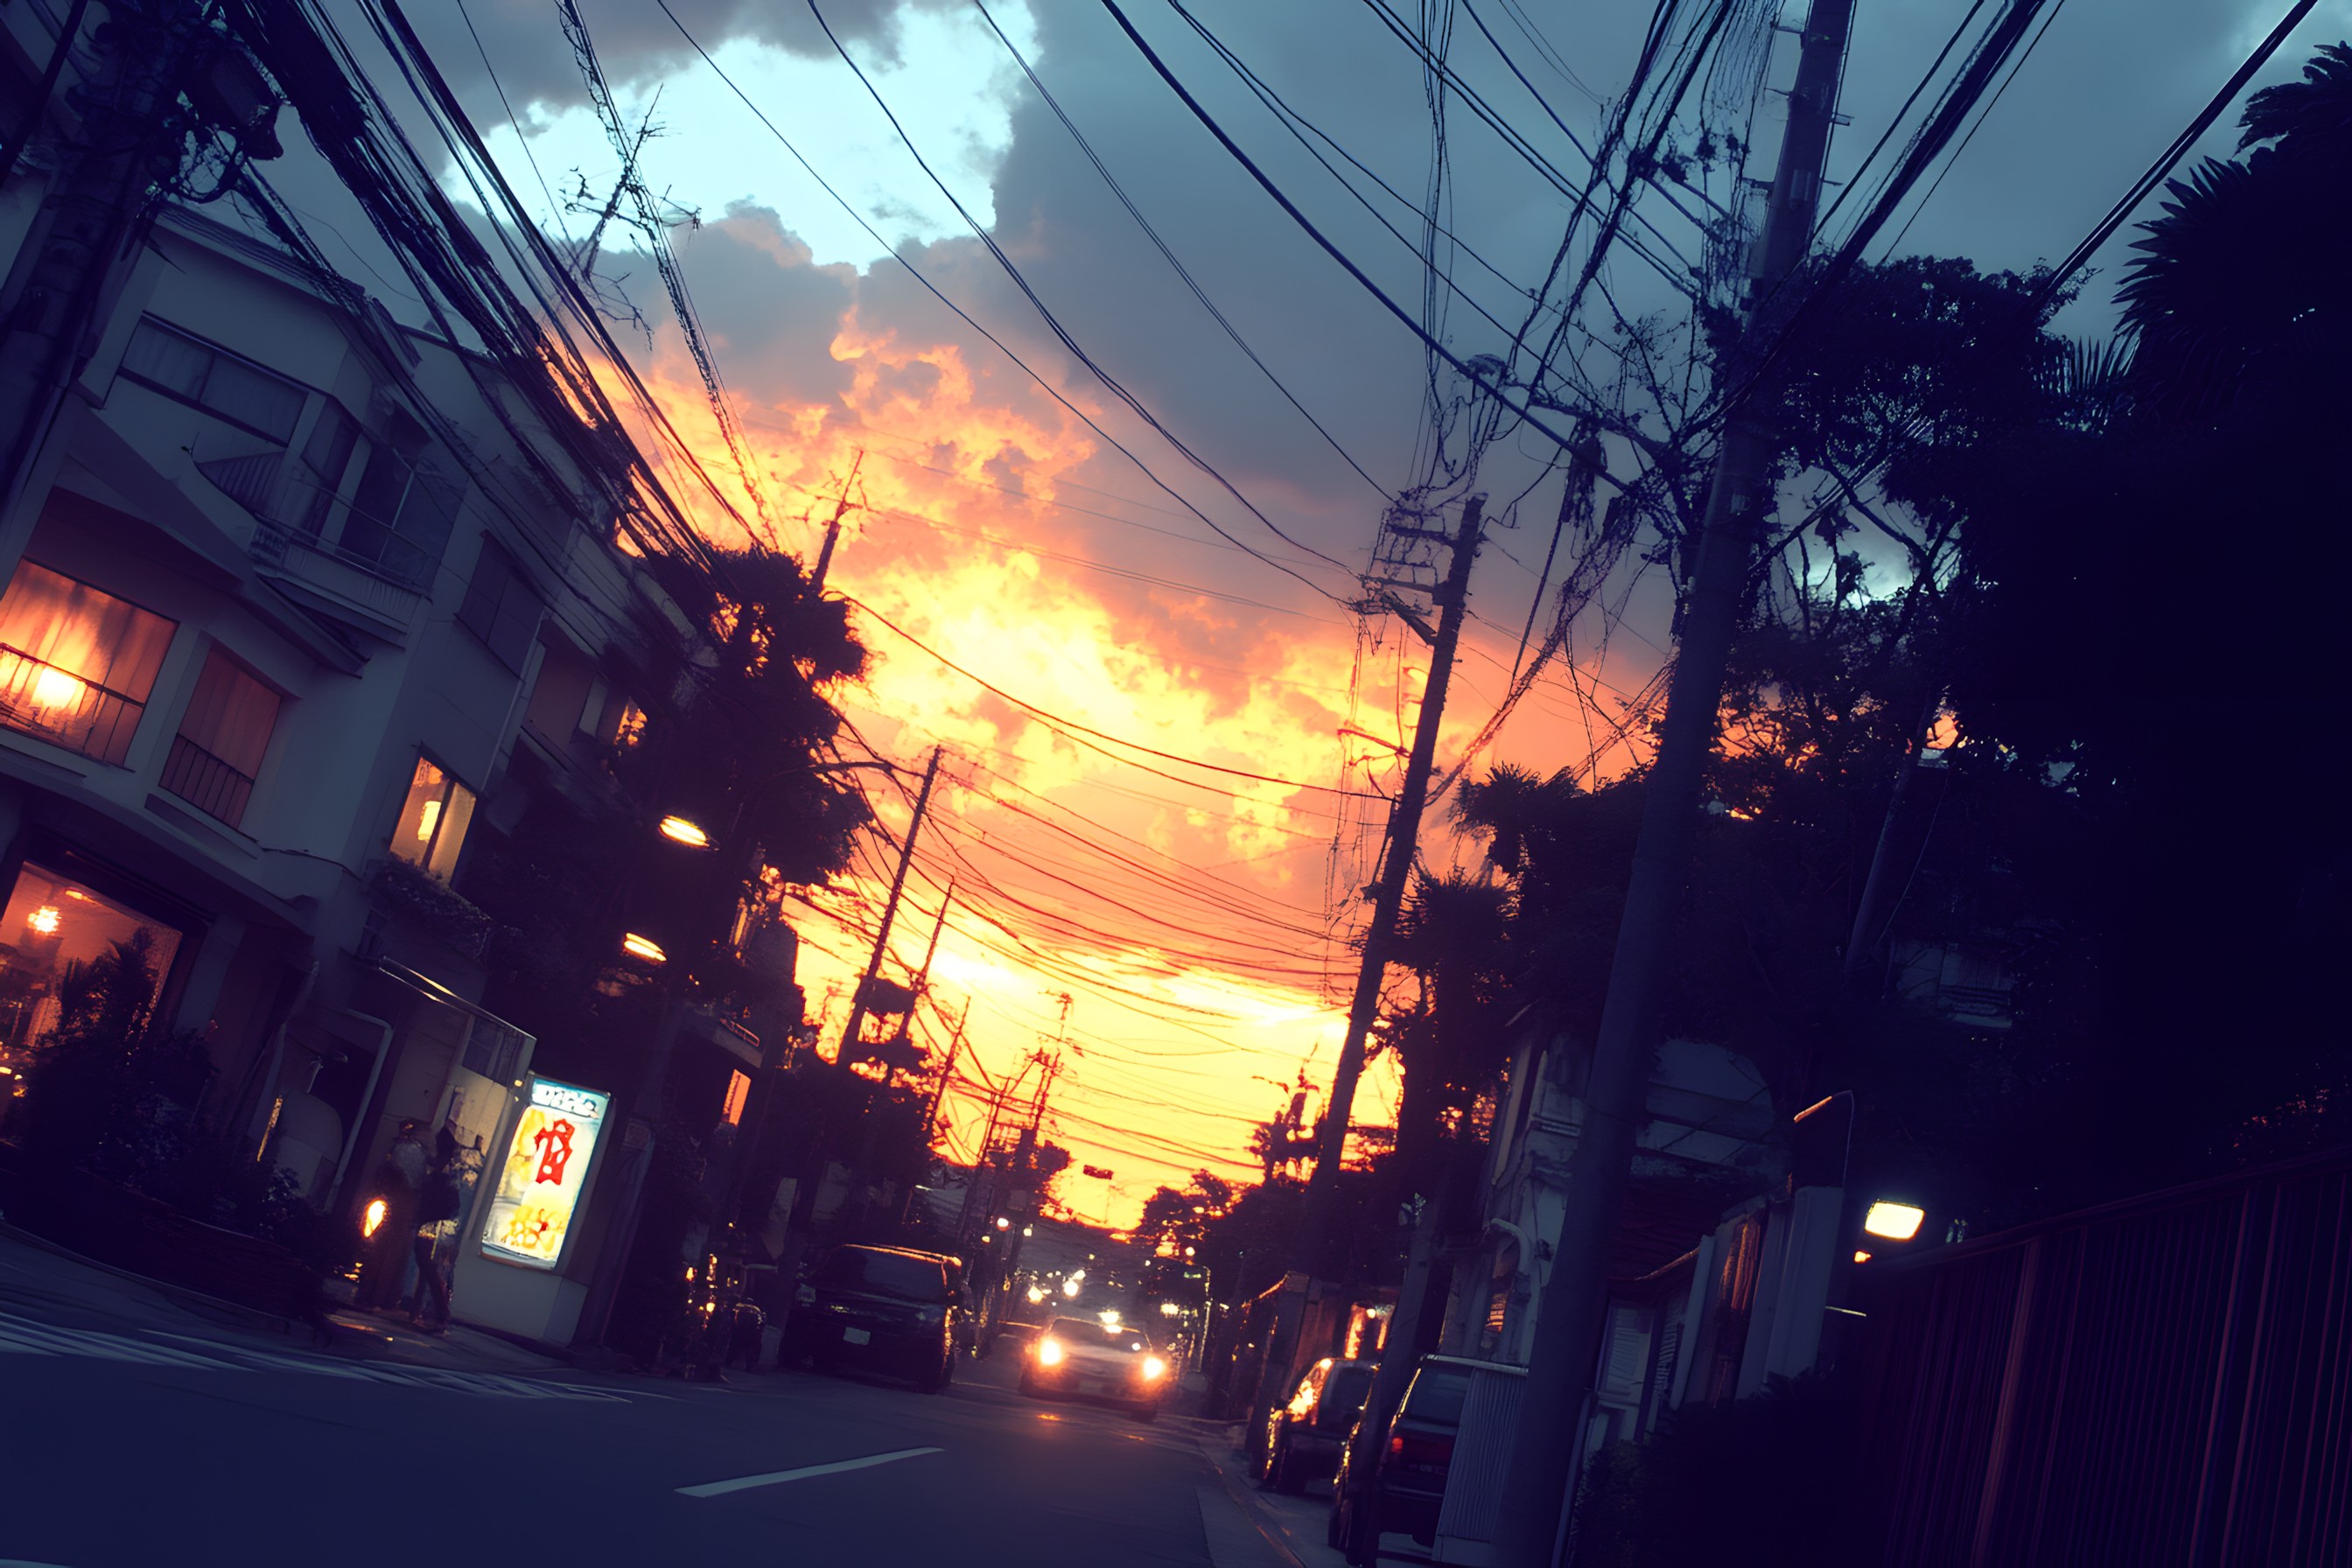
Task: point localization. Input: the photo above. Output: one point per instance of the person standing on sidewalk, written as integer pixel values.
(440, 1201)
(399, 1181)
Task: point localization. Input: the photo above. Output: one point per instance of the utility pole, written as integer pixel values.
(947, 1071)
(833, 526)
(1453, 601)
(112, 173)
(889, 913)
(1554, 1398)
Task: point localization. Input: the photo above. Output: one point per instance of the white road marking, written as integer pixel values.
(719, 1488)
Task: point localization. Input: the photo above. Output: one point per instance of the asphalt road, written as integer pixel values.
(139, 1449)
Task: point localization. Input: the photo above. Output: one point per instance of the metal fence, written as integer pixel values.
(2164, 1381)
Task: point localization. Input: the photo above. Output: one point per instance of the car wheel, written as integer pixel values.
(940, 1375)
(1279, 1475)
(1028, 1386)
(1331, 1526)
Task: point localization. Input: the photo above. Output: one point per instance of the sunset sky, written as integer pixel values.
(1197, 918)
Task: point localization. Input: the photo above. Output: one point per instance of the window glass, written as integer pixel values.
(401, 517)
(500, 608)
(1436, 1393)
(433, 820)
(76, 665)
(214, 380)
(886, 1273)
(223, 737)
(51, 922)
(325, 458)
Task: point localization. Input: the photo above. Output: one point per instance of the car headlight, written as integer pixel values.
(1049, 1353)
(1154, 1369)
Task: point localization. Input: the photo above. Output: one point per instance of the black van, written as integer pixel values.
(880, 1309)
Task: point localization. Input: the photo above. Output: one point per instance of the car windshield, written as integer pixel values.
(1436, 1394)
(1080, 1332)
(885, 1273)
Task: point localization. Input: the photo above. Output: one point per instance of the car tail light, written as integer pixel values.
(1420, 1451)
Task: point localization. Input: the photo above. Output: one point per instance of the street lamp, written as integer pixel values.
(643, 947)
(679, 830)
(1895, 1222)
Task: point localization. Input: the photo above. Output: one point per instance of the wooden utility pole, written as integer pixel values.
(1317, 1213)
(1561, 1373)
(849, 1032)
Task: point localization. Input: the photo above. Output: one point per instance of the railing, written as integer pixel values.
(205, 781)
(2161, 1381)
(63, 709)
(275, 490)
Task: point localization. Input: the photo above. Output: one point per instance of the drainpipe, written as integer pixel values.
(367, 1101)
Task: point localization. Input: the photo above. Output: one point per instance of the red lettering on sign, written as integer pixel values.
(554, 1142)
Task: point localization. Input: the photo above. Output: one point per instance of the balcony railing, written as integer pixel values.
(63, 709)
(205, 781)
(278, 492)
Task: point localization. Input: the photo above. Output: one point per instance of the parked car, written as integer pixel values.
(881, 1309)
(1306, 1435)
(1408, 1478)
(1079, 1358)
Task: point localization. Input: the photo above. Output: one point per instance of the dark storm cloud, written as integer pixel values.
(774, 311)
(636, 45)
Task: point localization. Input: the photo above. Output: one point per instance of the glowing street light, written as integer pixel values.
(643, 947)
(679, 830)
(1895, 1222)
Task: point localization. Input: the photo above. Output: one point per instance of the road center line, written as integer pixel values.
(719, 1488)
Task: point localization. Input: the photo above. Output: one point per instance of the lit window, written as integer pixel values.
(76, 665)
(222, 740)
(739, 1089)
(500, 608)
(631, 728)
(433, 820)
(214, 380)
(52, 923)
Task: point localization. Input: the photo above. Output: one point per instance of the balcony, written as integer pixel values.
(276, 491)
(61, 708)
(205, 781)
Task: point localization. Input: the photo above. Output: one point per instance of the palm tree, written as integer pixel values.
(2240, 284)
(1455, 934)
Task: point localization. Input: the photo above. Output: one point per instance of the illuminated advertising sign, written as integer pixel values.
(546, 1167)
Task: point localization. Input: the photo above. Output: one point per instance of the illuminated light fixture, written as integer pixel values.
(643, 947)
(44, 919)
(426, 820)
(1028, 1230)
(1070, 1288)
(1003, 1223)
(56, 689)
(1049, 1352)
(1188, 1252)
(1861, 1256)
(678, 830)
(1111, 1317)
(1035, 1296)
(1154, 1369)
(375, 1220)
(1895, 1222)
(1170, 1309)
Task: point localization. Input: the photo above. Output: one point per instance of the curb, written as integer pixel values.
(196, 1301)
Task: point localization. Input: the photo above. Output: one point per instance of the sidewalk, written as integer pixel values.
(41, 1279)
